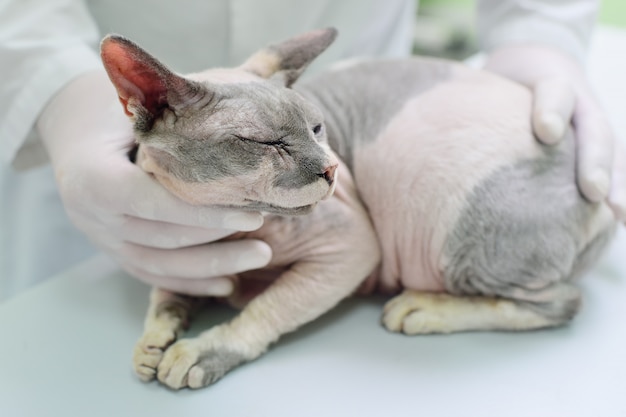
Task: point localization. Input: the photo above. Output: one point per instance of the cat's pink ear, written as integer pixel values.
(145, 86)
(287, 60)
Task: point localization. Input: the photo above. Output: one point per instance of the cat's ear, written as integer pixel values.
(145, 86)
(288, 59)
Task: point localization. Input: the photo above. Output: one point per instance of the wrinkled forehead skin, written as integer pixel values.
(256, 110)
(209, 138)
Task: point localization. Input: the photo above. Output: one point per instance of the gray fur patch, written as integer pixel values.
(216, 364)
(522, 235)
(359, 101)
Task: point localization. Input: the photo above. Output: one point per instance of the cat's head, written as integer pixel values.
(237, 137)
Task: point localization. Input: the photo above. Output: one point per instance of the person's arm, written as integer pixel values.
(43, 45)
(53, 79)
(543, 44)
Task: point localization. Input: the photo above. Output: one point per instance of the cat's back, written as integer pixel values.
(457, 185)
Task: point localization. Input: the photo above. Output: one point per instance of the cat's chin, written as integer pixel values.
(273, 209)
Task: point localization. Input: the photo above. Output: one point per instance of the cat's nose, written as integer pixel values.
(329, 174)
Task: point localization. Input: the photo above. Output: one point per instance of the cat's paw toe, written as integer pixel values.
(213, 365)
(149, 351)
(185, 364)
(197, 378)
(412, 313)
(176, 363)
(395, 311)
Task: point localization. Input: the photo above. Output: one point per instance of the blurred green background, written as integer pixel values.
(445, 27)
(612, 12)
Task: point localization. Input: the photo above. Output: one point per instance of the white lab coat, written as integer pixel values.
(46, 43)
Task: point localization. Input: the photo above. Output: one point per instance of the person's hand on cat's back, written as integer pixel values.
(152, 235)
(562, 95)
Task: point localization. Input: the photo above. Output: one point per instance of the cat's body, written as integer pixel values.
(446, 179)
(443, 192)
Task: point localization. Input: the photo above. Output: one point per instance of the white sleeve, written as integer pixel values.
(564, 24)
(43, 45)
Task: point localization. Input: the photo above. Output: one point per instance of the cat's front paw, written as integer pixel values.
(189, 364)
(149, 351)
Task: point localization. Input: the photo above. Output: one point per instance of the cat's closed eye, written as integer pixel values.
(278, 142)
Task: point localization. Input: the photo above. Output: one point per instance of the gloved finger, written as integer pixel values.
(553, 107)
(617, 196)
(214, 286)
(595, 146)
(163, 235)
(198, 262)
(126, 189)
(148, 199)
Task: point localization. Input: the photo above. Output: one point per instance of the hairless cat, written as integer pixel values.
(419, 178)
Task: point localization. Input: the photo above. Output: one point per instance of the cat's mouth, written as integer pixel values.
(285, 211)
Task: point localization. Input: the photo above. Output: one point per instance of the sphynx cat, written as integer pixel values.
(419, 178)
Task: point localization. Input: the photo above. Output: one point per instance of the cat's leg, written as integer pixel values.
(539, 295)
(327, 254)
(415, 312)
(167, 317)
(299, 295)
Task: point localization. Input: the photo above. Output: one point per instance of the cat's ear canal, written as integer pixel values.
(145, 86)
(287, 60)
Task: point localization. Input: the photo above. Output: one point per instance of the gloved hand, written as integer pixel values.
(562, 95)
(153, 235)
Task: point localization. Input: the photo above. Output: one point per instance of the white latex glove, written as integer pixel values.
(153, 235)
(562, 95)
